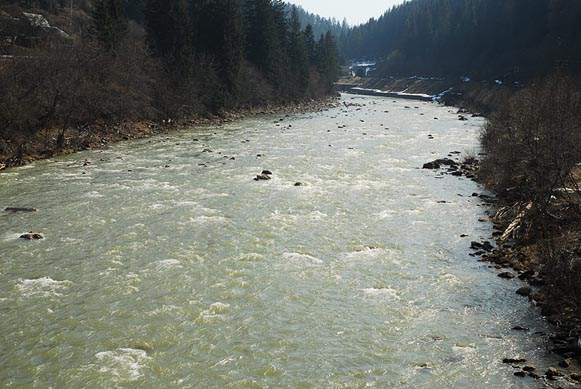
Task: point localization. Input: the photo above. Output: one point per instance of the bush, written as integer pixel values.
(533, 145)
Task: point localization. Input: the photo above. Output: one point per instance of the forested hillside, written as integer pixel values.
(476, 38)
(319, 24)
(113, 59)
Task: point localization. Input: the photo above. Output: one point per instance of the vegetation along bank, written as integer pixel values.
(71, 77)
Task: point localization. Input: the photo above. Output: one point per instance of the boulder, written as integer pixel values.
(15, 209)
(524, 291)
(507, 275)
(262, 177)
(566, 362)
(32, 236)
(553, 373)
(267, 172)
(513, 360)
(431, 165)
(520, 328)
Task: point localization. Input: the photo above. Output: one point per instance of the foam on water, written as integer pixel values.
(301, 259)
(123, 364)
(383, 292)
(168, 264)
(42, 287)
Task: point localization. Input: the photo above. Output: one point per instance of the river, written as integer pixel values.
(165, 264)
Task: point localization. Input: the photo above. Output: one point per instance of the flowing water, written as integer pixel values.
(165, 265)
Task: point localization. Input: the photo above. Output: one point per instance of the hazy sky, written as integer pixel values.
(356, 11)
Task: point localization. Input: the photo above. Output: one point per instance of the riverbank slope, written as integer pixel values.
(476, 96)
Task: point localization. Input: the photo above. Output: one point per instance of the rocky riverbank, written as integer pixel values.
(482, 97)
(45, 143)
(514, 260)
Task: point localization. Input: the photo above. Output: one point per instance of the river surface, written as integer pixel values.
(165, 264)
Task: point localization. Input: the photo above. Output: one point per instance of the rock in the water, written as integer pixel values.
(524, 291)
(529, 368)
(299, 184)
(32, 236)
(513, 360)
(566, 363)
(16, 209)
(576, 377)
(520, 328)
(262, 177)
(520, 374)
(553, 373)
(267, 172)
(507, 275)
(431, 165)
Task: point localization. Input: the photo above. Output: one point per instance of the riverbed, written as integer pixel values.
(165, 264)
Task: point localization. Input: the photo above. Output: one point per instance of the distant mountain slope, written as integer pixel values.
(476, 38)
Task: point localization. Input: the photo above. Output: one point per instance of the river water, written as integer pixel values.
(165, 265)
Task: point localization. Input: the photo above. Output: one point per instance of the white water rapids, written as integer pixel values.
(165, 265)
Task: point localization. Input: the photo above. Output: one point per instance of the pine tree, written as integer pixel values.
(311, 44)
(169, 32)
(298, 55)
(218, 29)
(328, 61)
(261, 38)
(109, 23)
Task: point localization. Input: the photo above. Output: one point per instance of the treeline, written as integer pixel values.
(162, 59)
(476, 38)
(321, 25)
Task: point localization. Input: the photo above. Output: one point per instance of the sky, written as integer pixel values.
(356, 11)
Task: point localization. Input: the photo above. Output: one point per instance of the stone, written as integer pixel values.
(299, 184)
(520, 328)
(520, 374)
(513, 360)
(431, 165)
(506, 275)
(16, 209)
(267, 172)
(534, 375)
(524, 291)
(576, 377)
(475, 245)
(566, 363)
(553, 373)
(262, 177)
(32, 236)
(529, 368)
